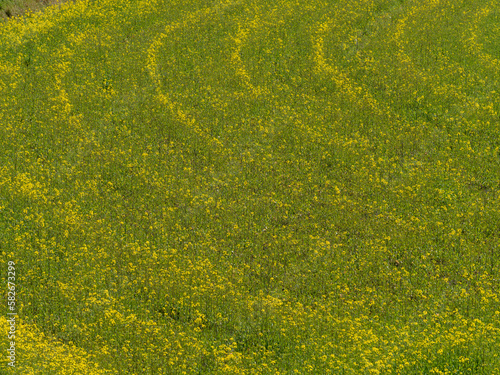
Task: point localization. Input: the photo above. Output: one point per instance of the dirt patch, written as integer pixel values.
(14, 8)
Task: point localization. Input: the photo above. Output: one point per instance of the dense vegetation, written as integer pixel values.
(253, 186)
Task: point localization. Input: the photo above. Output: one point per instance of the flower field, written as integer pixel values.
(252, 186)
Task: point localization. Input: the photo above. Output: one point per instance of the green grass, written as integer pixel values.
(253, 187)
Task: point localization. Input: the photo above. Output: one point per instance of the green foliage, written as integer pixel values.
(253, 187)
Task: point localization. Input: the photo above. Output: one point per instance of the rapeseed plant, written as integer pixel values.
(252, 187)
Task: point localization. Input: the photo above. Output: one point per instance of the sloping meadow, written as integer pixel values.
(253, 187)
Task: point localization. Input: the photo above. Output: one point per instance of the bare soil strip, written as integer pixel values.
(15, 8)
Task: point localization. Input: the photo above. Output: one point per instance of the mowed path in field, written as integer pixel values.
(253, 186)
